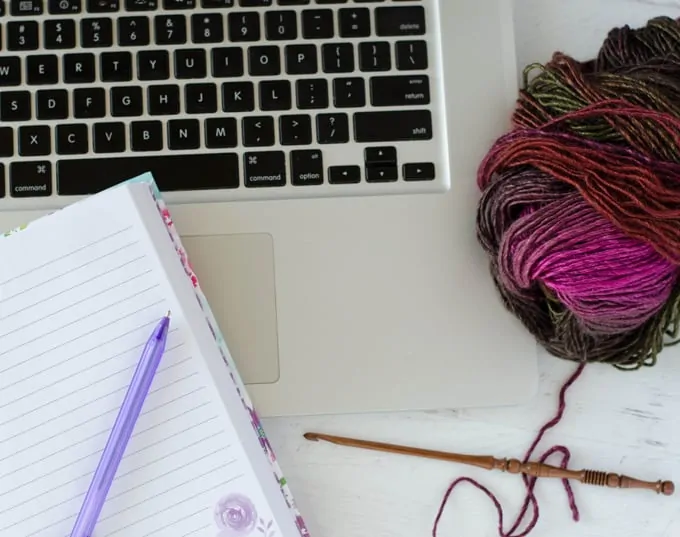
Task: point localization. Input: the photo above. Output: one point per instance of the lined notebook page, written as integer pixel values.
(75, 313)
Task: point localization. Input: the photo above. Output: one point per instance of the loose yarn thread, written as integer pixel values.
(580, 215)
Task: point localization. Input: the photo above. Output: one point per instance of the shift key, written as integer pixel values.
(392, 126)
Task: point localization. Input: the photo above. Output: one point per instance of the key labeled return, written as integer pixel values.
(400, 90)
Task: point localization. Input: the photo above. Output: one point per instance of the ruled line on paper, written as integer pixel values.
(184, 518)
(82, 353)
(125, 474)
(89, 385)
(140, 450)
(193, 532)
(219, 485)
(115, 409)
(76, 303)
(149, 306)
(64, 256)
(69, 289)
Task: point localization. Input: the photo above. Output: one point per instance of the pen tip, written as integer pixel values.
(311, 436)
(168, 314)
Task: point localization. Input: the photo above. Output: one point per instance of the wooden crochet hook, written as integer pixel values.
(512, 466)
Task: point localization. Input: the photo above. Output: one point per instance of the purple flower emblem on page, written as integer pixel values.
(235, 515)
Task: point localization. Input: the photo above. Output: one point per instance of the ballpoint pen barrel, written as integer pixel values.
(121, 432)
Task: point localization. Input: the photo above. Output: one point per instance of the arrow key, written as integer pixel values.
(380, 156)
(381, 174)
(419, 171)
(339, 175)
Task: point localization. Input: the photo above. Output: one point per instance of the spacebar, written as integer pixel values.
(171, 172)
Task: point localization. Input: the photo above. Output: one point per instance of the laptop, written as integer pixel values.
(319, 158)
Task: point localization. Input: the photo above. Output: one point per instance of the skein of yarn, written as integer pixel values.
(580, 201)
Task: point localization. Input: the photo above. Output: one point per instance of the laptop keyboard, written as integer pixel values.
(220, 99)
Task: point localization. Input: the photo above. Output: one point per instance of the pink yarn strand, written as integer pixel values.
(530, 499)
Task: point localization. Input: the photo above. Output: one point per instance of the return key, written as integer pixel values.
(400, 90)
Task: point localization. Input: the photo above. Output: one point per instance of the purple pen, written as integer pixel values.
(122, 431)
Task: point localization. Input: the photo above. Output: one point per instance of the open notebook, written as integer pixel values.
(80, 291)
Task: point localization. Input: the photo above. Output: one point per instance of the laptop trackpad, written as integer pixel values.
(236, 272)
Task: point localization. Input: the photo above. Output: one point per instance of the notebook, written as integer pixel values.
(80, 291)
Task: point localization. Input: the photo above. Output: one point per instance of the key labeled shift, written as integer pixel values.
(400, 90)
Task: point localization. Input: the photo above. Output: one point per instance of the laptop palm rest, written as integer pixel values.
(236, 273)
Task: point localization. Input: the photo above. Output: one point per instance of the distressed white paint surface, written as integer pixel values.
(622, 422)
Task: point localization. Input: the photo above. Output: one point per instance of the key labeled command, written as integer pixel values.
(30, 179)
(265, 168)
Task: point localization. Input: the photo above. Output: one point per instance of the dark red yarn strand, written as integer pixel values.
(530, 500)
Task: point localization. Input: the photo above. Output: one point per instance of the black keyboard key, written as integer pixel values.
(267, 168)
(60, 34)
(89, 103)
(25, 8)
(349, 92)
(6, 142)
(200, 98)
(78, 68)
(171, 172)
(221, 132)
(15, 106)
(355, 22)
(10, 71)
(238, 97)
(3, 9)
(133, 31)
(312, 94)
(170, 29)
(280, 25)
(293, 2)
(217, 4)
(344, 175)
(102, 6)
(392, 126)
(30, 179)
(164, 100)
(141, 5)
(153, 65)
(306, 167)
(264, 60)
(2, 180)
(23, 35)
(255, 3)
(411, 55)
(64, 7)
(317, 24)
(107, 138)
(332, 1)
(258, 131)
(375, 56)
(190, 63)
(400, 20)
(126, 101)
(382, 174)
(146, 135)
(72, 139)
(227, 62)
(332, 128)
(244, 26)
(96, 33)
(52, 104)
(275, 95)
(41, 70)
(338, 57)
(400, 90)
(179, 4)
(295, 129)
(116, 66)
(207, 28)
(380, 156)
(301, 59)
(184, 134)
(419, 171)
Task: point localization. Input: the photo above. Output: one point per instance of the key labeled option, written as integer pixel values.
(266, 168)
(400, 90)
(30, 179)
(307, 167)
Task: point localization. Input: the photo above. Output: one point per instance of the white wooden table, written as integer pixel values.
(622, 422)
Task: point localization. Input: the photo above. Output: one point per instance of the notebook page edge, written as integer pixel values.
(214, 349)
